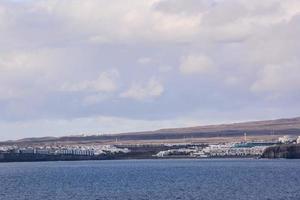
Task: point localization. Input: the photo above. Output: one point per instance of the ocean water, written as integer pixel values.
(208, 179)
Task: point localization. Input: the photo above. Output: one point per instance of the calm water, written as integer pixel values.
(152, 179)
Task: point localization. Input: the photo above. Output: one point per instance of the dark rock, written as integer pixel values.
(291, 151)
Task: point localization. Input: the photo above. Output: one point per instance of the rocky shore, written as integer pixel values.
(291, 151)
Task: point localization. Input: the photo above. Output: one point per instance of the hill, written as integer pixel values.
(254, 129)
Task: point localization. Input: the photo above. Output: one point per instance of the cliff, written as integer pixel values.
(283, 151)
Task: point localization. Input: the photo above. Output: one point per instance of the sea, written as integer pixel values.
(197, 179)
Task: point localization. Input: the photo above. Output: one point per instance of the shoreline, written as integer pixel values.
(15, 158)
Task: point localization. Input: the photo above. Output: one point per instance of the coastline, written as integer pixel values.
(11, 157)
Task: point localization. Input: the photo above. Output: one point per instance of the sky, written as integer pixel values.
(70, 67)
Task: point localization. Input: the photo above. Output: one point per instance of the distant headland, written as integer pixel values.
(247, 139)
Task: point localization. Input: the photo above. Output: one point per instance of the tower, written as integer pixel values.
(245, 137)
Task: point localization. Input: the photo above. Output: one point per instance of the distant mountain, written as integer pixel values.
(39, 139)
(289, 126)
(267, 125)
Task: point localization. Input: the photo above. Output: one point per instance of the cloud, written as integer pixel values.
(67, 60)
(105, 82)
(121, 21)
(185, 7)
(95, 98)
(22, 72)
(7, 93)
(278, 79)
(144, 60)
(196, 64)
(25, 60)
(137, 91)
(165, 68)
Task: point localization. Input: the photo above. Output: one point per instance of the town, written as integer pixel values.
(117, 151)
(239, 149)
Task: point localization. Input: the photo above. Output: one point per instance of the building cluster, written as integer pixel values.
(177, 152)
(289, 139)
(243, 149)
(80, 150)
(230, 150)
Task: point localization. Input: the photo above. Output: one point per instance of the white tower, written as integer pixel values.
(245, 137)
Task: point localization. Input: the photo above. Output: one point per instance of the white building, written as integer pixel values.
(287, 139)
(298, 140)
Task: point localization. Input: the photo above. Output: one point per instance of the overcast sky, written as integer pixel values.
(106, 66)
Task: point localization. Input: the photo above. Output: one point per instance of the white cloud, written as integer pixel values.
(8, 93)
(278, 79)
(52, 55)
(232, 80)
(144, 91)
(196, 64)
(95, 99)
(25, 60)
(144, 60)
(165, 68)
(22, 72)
(105, 82)
(121, 21)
